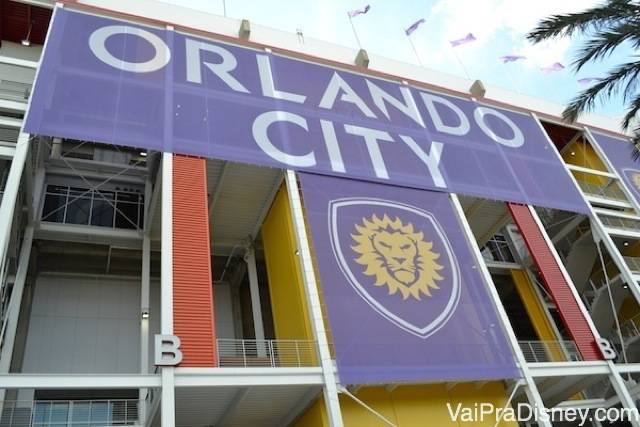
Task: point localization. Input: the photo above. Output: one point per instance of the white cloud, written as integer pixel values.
(490, 19)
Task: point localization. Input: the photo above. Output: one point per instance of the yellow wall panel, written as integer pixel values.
(315, 416)
(629, 310)
(585, 156)
(412, 406)
(533, 305)
(286, 290)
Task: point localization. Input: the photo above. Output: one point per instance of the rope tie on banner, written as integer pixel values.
(613, 306)
(516, 386)
(367, 407)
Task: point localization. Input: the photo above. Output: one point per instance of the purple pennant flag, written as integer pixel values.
(414, 26)
(511, 58)
(553, 68)
(466, 39)
(586, 80)
(356, 12)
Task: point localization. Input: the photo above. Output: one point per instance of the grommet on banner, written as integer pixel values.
(245, 29)
(477, 89)
(362, 59)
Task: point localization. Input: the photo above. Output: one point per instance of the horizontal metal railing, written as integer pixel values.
(56, 413)
(266, 353)
(550, 351)
(629, 328)
(612, 192)
(620, 223)
(633, 263)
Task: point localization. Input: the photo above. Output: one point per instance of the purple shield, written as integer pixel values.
(405, 298)
(396, 256)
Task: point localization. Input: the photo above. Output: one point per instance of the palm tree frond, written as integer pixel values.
(604, 88)
(635, 141)
(606, 42)
(634, 107)
(567, 24)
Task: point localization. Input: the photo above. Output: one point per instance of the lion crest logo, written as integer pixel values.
(397, 256)
(398, 259)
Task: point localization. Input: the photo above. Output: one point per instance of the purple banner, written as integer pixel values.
(405, 299)
(619, 151)
(121, 83)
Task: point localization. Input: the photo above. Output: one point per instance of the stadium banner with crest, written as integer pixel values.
(405, 298)
(119, 82)
(619, 151)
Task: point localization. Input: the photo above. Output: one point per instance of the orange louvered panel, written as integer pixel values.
(555, 282)
(192, 289)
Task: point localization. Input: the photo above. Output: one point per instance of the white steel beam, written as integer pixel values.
(223, 420)
(576, 168)
(144, 300)
(626, 400)
(7, 152)
(153, 204)
(625, 368)
(252, 271)
(14, 303)
(330, 388)
(168, 410)
(6, 104)
(10, 195)
(10, 122)
(78, 381)
(530, 387)
(243, 377)
(565, 274)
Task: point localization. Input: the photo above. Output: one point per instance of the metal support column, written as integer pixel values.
(144, 299)
(168, 412)
(330, 388)
(252, 271)
(10, 196)
(530, 388)
(626, 400)
(14, 307)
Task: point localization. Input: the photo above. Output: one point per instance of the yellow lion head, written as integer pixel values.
(397, 256)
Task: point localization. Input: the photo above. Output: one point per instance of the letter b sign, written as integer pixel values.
(606, 348)
(167, 350)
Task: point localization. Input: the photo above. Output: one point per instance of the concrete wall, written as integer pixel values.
(87, 325)
(223, 308)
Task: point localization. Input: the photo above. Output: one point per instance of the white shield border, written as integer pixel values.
(452, 304)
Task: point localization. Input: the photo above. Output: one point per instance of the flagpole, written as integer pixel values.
(516, 86)
(355, 34)
(415, 51)
(460, 62)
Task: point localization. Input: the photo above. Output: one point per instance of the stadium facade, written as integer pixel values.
(209, 222)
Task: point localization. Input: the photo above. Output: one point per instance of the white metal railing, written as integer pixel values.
(610, 192)
(550, 351)
(69, 413)
(266, 353)
(13, 90)
(633, 263)
(620, 223)
(629, 329)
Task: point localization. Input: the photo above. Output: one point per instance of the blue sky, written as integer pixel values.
(499, 25)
